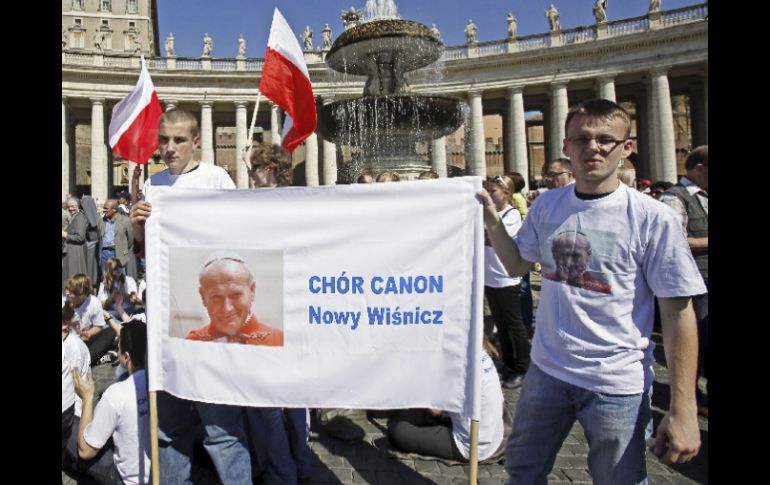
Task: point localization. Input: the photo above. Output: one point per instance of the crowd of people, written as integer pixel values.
(615, 254)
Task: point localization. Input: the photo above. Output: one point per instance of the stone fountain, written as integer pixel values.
(387, 122)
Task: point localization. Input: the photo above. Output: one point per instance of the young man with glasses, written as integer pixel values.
(557, 173)
(592, 356)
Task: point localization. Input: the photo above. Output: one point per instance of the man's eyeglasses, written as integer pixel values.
(605, 143)
(550, 175)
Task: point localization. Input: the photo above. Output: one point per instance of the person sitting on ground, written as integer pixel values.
(74, 355)
(123, 412)
(388, 176)
(118, 292)
(88, 321)
(447, 435)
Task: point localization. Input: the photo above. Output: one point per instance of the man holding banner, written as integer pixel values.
(592, 351)
(177, 424)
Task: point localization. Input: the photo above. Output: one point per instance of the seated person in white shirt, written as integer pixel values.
(74, 355)
(122, 413)
(88, 321)
(117, 285)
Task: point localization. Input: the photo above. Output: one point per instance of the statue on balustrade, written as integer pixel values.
(512, 24)
(241, 46)
(654, 6)
(553, 18)
(470, 33)
(208, 45)
(170, 45)
(307, 38)
(435, 32)
(63, 38)
(600, 10)
(326, 35)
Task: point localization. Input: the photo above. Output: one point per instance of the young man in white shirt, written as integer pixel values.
(592, 351)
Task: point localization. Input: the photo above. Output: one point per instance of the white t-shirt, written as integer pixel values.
(495, 274)
(491, 422)
(126, 288)
(123, 412)
(204, 176)
(88, 314)
(597, 335)
(74, 353)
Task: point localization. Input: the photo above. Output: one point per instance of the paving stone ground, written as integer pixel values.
(368, 461)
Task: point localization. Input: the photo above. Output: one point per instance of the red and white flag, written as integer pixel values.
(134, 125)
(286, 82)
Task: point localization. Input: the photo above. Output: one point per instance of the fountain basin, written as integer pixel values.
(421, 118)
(410, 42)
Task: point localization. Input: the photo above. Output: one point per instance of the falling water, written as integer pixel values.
(380, 9)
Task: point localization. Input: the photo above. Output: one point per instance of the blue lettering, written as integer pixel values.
(316, 280)
(375, 285)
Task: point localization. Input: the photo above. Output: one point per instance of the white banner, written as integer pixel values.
(361, 296)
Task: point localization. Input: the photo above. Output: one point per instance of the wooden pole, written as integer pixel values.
(474, 459)
(154, 455)
(250, 141)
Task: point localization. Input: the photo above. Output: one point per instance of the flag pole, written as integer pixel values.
(474, 458)
(250, 141)
(476, 336)
(154, 454)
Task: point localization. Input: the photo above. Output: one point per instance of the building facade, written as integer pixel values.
(518, 90)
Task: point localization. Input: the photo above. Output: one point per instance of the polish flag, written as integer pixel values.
(134, 125)
(286, 82)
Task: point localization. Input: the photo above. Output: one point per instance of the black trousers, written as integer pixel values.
(505, 305)
(100, 343)
(418, 431)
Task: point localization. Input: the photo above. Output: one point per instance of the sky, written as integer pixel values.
(224, 20)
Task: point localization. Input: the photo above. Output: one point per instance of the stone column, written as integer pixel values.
(66, 186)
(207, 133)
(171, 104)
(478, 163)
(652, 141)
(664, 124)
(99, 169)
(329, 156)
(275, 124)
(241, 135)
(607, 88)
(311, 160)
(516, 134)
(644, 170)
(559, 108)
(706, 105)
(438, 156)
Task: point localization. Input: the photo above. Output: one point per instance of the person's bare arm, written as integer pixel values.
(504, 246)
(85, 389)
(678, 431)
(139, 214)
(698, 244)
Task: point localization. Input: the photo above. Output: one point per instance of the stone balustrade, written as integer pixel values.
(536, 41)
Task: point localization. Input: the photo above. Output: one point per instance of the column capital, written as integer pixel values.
(475, 93)
(658, 70)
(607, 78)
(511, 90)
(64, 99)
(206, 103)
(241, 104)
(327, 99)
(559, 85)
(171, 102)
(97, 100)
